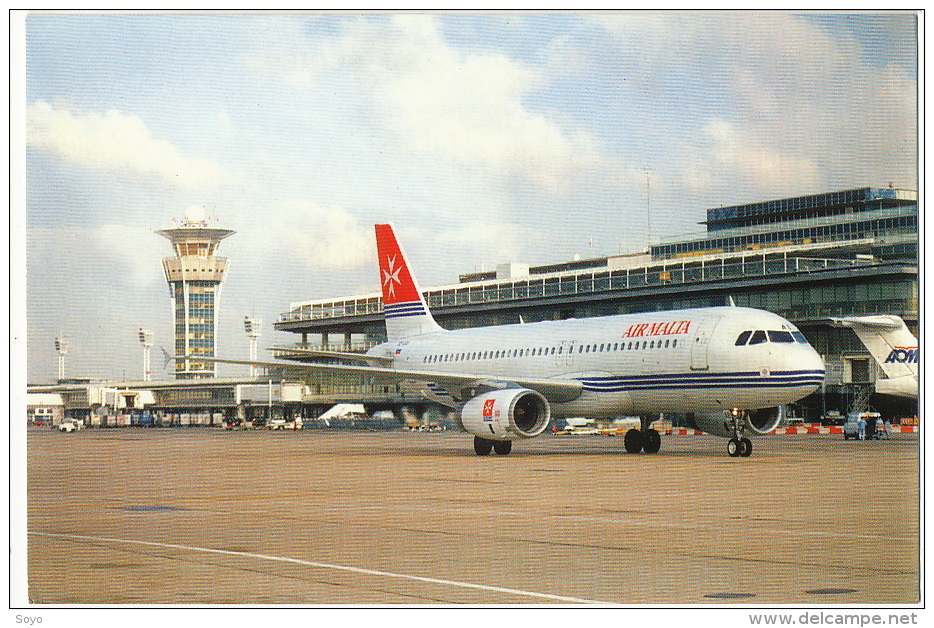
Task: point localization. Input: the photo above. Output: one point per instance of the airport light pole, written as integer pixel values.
(252, 327)
(61, 345)
(145, 339)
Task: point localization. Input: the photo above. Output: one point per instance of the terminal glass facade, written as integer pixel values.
(869, 224)
(820, 206)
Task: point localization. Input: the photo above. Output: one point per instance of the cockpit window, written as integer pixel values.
(780, 336)
(743, 337)
(758, 337)
(799, 337)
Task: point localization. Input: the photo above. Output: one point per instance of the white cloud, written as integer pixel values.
(479, 240)
(787, 106)
(464, 108)
(115, 142)
(731, 152)
(137, 251)
(469, 110)
(317, 237)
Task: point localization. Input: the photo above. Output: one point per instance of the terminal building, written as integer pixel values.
(808, 258)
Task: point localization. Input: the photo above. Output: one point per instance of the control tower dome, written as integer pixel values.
(195, 275)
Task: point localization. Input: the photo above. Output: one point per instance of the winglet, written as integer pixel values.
(405, 308)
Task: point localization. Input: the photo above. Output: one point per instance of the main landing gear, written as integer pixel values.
(483, 446)
(739, 445)
(649, 441)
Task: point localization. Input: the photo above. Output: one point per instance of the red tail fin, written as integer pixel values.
(397, 282)
(406, 311)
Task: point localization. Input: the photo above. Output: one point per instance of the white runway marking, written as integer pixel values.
(309, 563)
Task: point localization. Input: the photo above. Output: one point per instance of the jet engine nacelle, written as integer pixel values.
(757, 422)
(506, 414)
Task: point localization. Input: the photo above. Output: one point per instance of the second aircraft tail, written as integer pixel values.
(889, 341)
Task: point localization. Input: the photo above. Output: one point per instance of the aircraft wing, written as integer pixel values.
(295, 353)
(460, 385)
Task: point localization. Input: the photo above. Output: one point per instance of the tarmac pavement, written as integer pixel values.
(203, 516)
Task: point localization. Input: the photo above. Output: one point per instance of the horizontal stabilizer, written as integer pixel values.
(880, 323)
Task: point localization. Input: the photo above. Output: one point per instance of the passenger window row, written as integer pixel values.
(668, 343)
(630, 346)
(759, 336)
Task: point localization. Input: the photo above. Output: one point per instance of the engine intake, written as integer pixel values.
(506, 414)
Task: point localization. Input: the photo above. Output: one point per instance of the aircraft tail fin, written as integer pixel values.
(404, 304)
(889, 341)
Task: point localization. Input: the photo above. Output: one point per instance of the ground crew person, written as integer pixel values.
(881, 432)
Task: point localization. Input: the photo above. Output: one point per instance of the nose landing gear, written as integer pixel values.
(739, 445)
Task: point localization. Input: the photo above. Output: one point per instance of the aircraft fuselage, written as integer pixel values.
(671, 361)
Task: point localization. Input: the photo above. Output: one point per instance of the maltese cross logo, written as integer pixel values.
(391, 276)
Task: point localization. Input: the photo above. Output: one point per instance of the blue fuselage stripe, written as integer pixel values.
(699, 385)
(744, 375)
(776, 379)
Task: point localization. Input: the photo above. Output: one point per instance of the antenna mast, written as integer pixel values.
(648, 212)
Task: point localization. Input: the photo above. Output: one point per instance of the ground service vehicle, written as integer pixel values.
(851, 427)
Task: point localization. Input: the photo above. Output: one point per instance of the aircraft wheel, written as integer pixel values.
(633, 441)
(745, 449)
(502, 447)
(482, 446)
(732, 448)
(651, 441)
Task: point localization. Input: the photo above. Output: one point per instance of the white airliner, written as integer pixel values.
(728, 368)
(893, 346)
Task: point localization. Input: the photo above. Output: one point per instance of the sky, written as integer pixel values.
(484, 138)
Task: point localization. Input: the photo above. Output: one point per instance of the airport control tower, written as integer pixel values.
(195, 275)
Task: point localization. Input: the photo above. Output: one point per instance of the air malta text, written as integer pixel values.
(903, 355)
(657, 329)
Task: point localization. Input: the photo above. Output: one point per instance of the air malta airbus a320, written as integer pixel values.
(727, 368)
